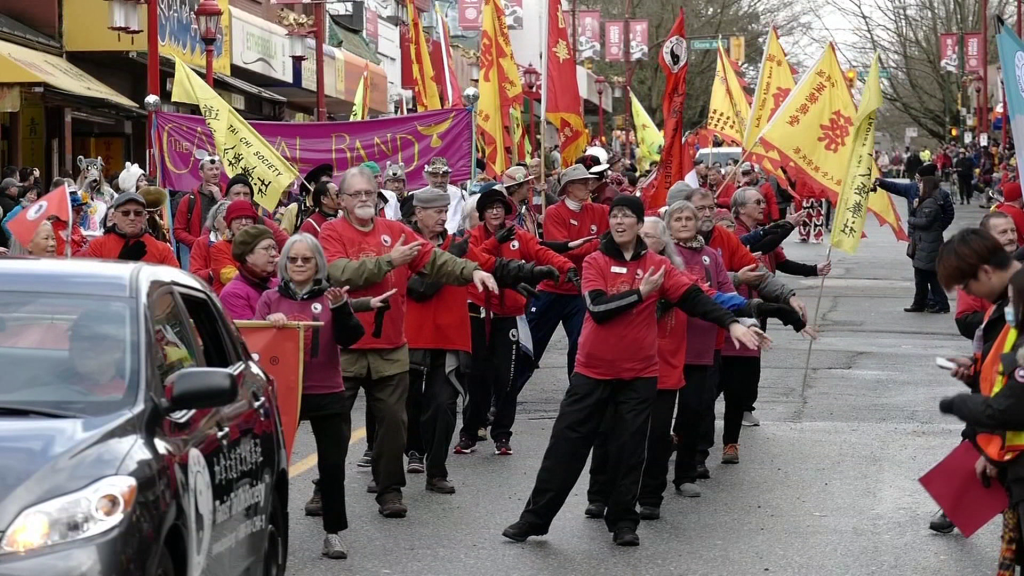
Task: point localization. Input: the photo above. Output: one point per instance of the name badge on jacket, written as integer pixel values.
(619, 270)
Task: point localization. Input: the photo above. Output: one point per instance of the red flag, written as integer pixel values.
(674, 162)
(281, 355)
(56, 203)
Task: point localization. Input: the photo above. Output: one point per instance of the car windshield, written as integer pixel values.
(63, 353)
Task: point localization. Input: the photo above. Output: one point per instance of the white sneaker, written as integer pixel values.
(334, 547)
(750, 420)
(689, 490)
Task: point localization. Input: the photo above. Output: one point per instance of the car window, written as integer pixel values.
(67, 353)
(206, 321)
(174, 350)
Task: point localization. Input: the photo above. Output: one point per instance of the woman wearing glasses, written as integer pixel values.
(128, 238)
(304, 295)
(255, 253)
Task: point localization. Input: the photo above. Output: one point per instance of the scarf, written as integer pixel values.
(1010, 542)
(573, 205)
(695, 243)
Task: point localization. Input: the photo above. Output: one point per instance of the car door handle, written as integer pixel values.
(224, 435)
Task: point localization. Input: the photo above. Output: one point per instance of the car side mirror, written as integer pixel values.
(198, 388)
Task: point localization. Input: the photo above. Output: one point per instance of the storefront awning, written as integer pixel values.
(21, 65)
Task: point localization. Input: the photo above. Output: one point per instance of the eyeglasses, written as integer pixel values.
(130, 213)
(758, 202)
(495, 208)
(306, 260)
(269, 249)
(362, 194)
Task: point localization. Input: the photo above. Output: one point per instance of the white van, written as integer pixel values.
(722, 155)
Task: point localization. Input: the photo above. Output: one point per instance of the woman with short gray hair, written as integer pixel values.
(304, 295)
(214, 230)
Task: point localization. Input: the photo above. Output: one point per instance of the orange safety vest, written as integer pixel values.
(1003, 446)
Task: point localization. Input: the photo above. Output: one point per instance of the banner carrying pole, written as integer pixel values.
(544, 103)
(814, 322)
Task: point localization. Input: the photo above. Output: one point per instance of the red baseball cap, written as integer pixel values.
(1011, 192)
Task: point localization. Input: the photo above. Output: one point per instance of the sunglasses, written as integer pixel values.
(758, 202)
(306, 260)
(130, 213)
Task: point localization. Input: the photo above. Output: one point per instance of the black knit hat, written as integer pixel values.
(238, 179)
(491, 193)
(247, 240)
(631, 203)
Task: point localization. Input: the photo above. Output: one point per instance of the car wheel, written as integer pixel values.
(275, 552)
(165, 564)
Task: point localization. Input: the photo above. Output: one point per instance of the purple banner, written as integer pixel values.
(412, 139)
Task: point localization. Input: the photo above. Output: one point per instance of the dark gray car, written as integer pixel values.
(137, 434)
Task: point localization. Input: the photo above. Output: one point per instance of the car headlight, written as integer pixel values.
(87, 512)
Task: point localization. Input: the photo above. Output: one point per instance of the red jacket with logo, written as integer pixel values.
(562, 224)
(110, 244)
(524, 246)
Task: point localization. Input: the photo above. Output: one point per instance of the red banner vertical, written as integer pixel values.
(638, 30)
(588, 35)
(972, 52)
(372, 26)
(614, 40)
(949, 51)
(279, 353)
(470, 14)
(408, 80)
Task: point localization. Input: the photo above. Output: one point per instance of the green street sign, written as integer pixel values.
(708, 44)
(882, 73)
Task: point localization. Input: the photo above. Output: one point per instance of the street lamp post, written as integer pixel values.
(208, 15)
(599, 84)
(471, 96)
(124, 18)
(531, 78)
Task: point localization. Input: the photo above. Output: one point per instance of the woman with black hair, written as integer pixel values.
(925, 228)
(326, 203)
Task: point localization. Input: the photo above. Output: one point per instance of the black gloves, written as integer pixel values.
(541, 273)
(378, 318)
(459, 248)
(556, 247)
(573, 276)
(784, 313)
(506, 234)
(946, 405)
(132, 250)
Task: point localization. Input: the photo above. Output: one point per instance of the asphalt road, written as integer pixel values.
(826, 485)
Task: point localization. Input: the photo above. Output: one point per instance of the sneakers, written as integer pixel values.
(465, 446)
(731, 454)
(367, 459)
(334, 548)
(522, 530)
(688, 490)
(315, 507)
(595, 510)
(440, 486)
(415, 463)
(650, 512)
(502, 447)
(625, 536)
(750, 420)
(941, 524)
(702, 472)
(392, 507)
(371, 488)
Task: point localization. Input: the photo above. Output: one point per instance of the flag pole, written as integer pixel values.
(544, 106)
(814, 322)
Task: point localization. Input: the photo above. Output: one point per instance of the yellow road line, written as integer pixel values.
(309, 461)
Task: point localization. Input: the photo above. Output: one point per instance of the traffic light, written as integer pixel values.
(851, 78)
(954, 131)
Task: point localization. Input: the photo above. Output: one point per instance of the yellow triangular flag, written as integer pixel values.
(726, 117)
(241, 148)
(649, 139)
(359, 101)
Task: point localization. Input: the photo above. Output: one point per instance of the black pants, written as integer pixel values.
(494, 376)
(371, 428)
(925, 280)
(654, 478)
(331, 421)
(740, 375)
(965, 188)
(580, 415)
(546, 311)
(432, 409)
(713, 388)
(695, 399)
(385, 398)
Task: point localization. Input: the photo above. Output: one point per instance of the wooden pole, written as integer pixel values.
(813, 322)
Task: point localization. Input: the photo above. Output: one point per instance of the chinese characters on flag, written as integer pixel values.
(949, 52)
(638, 30)
(588, 35)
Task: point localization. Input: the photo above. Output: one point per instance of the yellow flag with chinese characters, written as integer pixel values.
(241, 148)
(724, 116)
(649, 139)
(773, 87)
(852, 204)
(490, 111)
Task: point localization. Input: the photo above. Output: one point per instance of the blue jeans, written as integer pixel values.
(546, 311)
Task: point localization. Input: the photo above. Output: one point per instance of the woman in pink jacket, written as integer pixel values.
(255, 252)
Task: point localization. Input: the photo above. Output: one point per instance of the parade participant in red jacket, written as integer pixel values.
(497, 354)
(373, 255)
(196, 205)
(238, 216)
(573, 218)
(617, 369)
(240, 188)
(128, 239)
(1012, 206)
(326, 203)
(214, 230)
